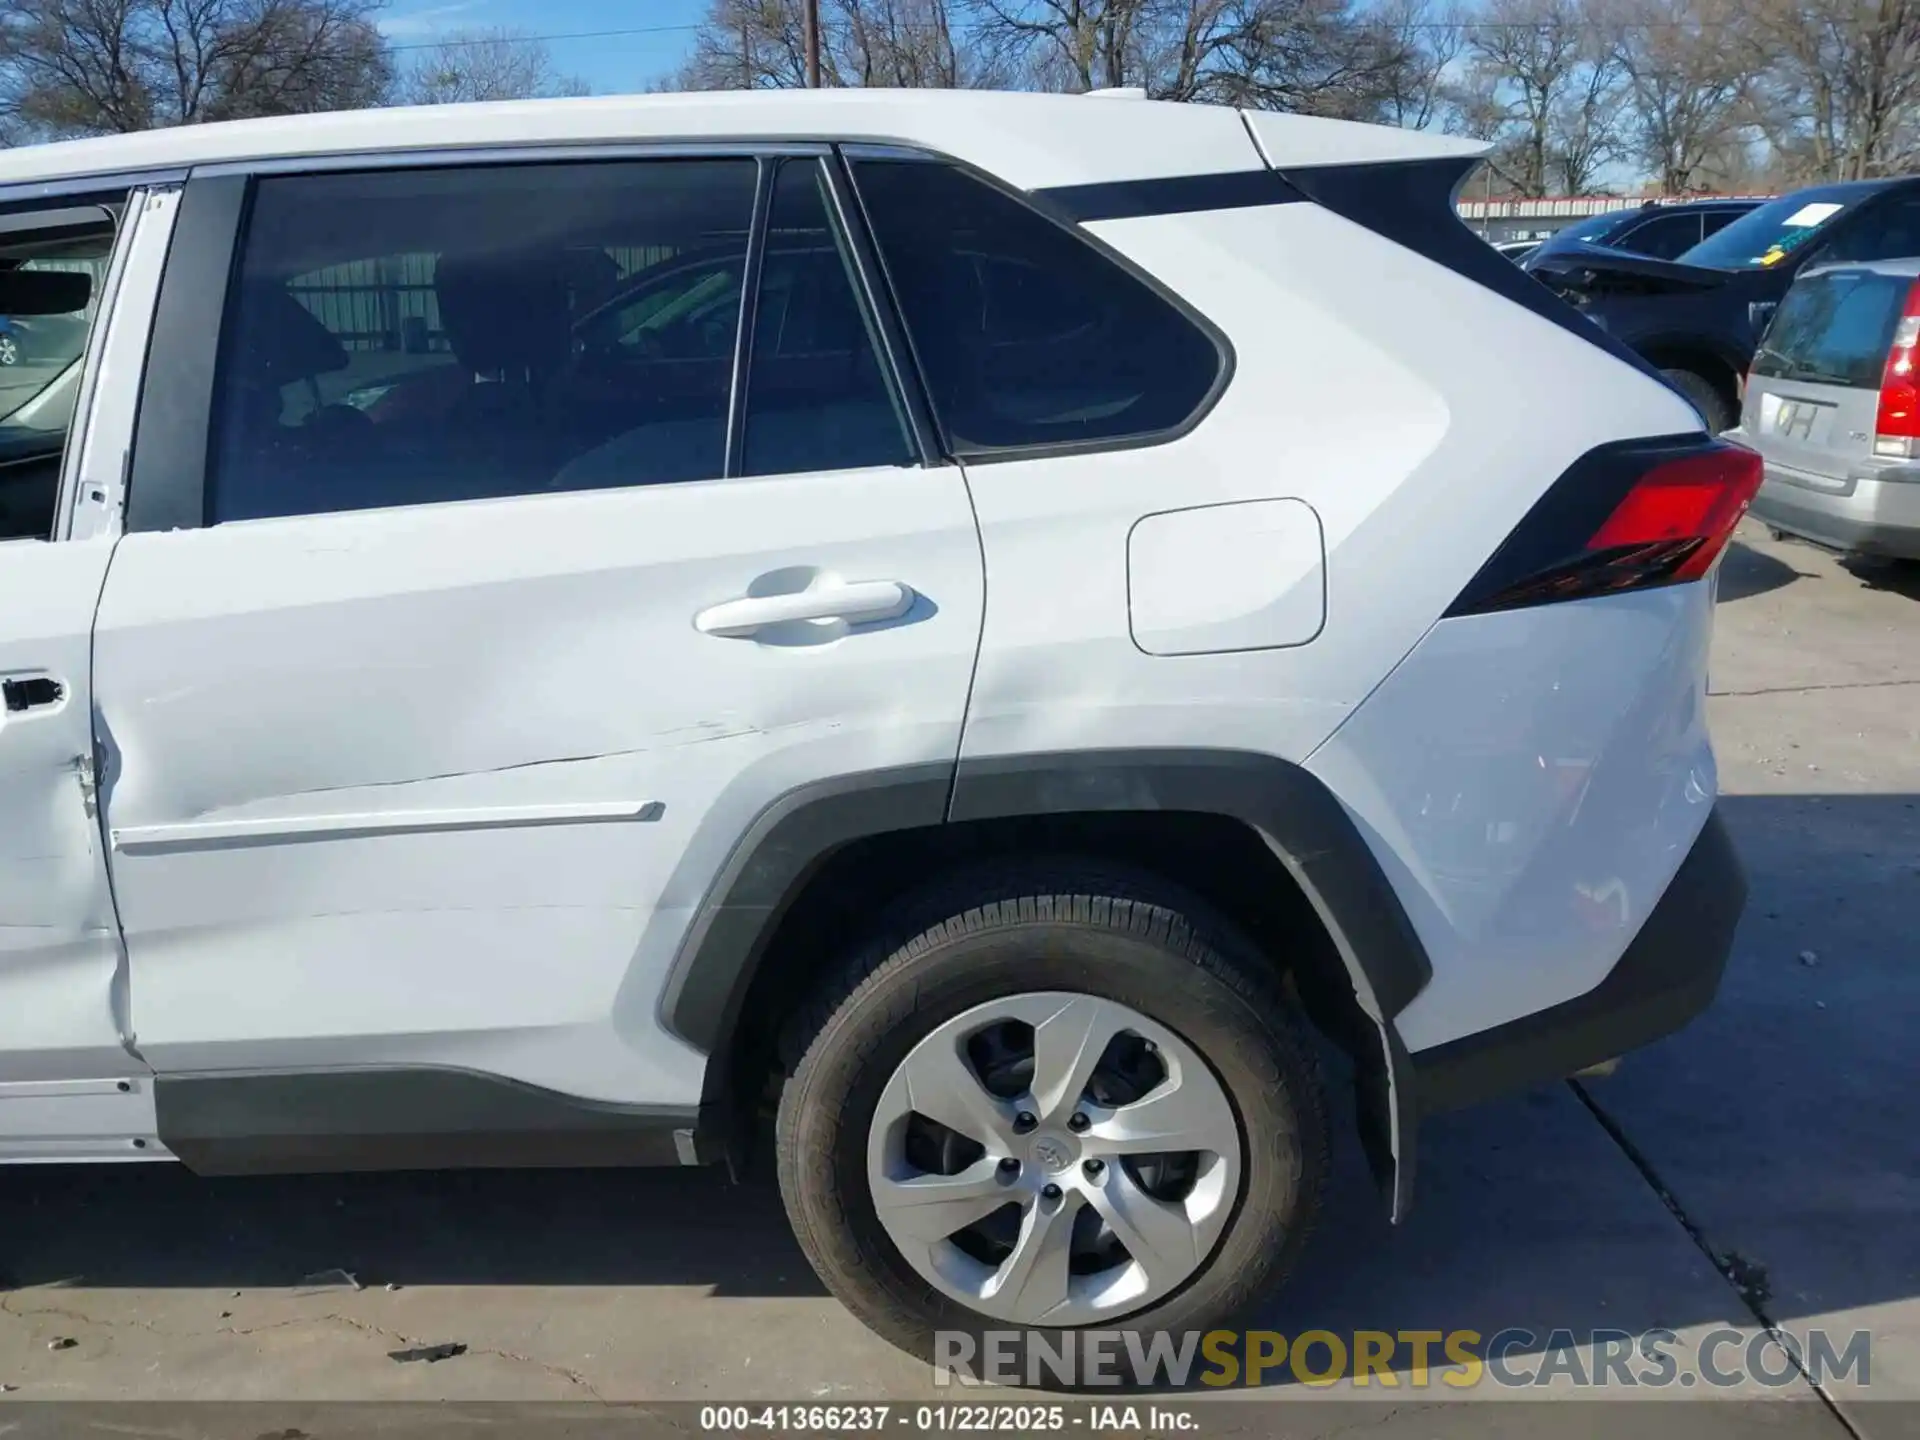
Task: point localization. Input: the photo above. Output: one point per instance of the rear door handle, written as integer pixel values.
(857, 602)
(32, 692)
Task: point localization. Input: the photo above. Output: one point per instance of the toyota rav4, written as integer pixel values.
(1000, 627)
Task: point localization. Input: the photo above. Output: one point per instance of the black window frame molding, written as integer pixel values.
(1062, 217)
(170, 469)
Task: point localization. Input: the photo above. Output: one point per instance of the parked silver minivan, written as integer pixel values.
(1833, 406)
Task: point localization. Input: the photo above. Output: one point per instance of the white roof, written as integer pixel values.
(1029, 140)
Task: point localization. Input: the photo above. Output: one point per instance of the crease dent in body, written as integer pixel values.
(704, 737)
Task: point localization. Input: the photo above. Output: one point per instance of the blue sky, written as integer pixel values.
(609, 63)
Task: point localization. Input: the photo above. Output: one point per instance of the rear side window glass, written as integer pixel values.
(1834, 329)
(1712, 222)
(817, 398)
(1887, 229)
(1027, 335)
(1664, 237)
(410, 336)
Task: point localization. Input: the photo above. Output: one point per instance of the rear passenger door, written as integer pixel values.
(460, 634)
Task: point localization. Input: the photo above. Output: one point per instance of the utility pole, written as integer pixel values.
(810, 9)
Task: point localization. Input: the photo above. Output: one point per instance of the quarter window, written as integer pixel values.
(1665, 236)
(1027, 335)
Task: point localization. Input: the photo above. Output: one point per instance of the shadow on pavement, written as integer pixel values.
(1901, 577)
(1746, 572)
(1786, 1115)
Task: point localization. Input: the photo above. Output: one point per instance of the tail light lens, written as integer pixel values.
(1898, 426)
(1623, 517)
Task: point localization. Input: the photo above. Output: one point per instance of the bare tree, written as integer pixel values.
(917, 44)
(1684, 81)
(1314, 56)
(89, 67)
(1543, 89)
(1427, 39)
(1079, 44)
(496, 64)
(1836, 83)
(753, 44)
(1318, 56)
(1586, 131)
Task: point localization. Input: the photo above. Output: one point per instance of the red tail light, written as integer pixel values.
(1623, 517)
(1898, 426)
(1693, 501)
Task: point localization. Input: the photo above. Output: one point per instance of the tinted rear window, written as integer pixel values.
(1027, 335)
(1833, 329)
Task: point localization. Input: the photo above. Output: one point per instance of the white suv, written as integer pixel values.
(980, 617)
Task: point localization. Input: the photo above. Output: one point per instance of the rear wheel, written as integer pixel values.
(1716, 410)
(1068, 1100)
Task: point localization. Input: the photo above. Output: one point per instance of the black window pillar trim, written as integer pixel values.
(905, 377)
(169, 474)
(882, 273)
(766, 169)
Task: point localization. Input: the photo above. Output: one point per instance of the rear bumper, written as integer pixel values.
(1668, 975)
(1870, 517)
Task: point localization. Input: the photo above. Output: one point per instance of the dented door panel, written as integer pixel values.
(444, 785)
(60, 979)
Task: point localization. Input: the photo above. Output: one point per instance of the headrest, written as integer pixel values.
(505, 309)
(279, 340)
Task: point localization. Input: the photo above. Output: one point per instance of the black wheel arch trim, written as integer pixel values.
(768, 868)
(1309, 831)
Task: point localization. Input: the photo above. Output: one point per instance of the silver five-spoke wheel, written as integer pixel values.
(1053, 1159)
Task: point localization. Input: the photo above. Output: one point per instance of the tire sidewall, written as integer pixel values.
(830, 1103)
(1701, 393)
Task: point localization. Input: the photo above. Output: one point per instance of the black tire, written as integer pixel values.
(1059, 925)
(1716, 411)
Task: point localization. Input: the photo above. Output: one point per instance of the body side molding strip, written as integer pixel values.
(400, 1118)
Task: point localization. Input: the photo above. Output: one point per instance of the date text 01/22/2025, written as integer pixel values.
(950, 1418)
